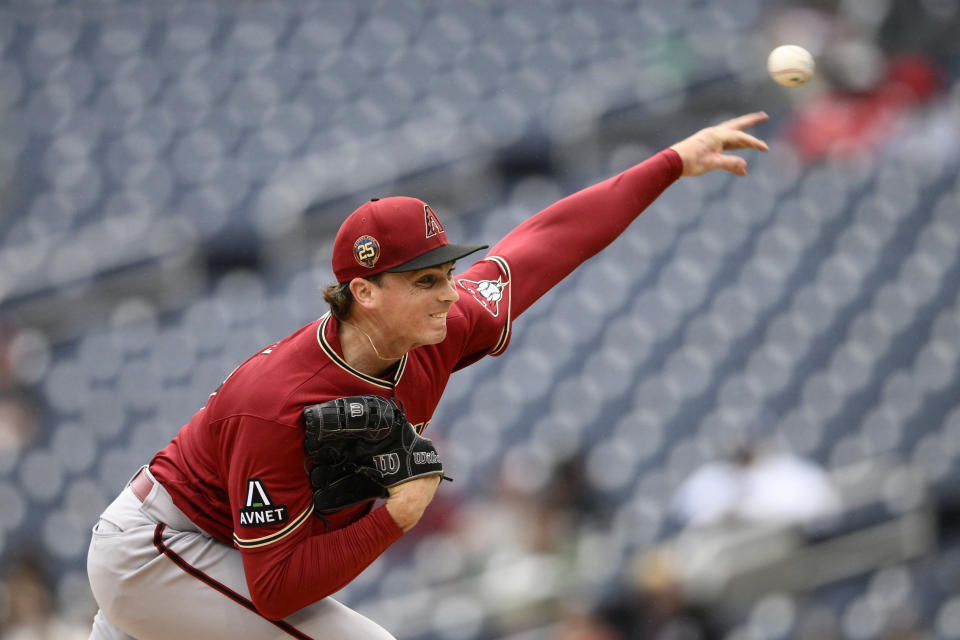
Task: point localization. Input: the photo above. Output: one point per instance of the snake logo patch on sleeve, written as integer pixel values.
(259, 510)
(487, 292)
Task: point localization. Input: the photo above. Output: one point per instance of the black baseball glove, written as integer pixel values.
(360, 446)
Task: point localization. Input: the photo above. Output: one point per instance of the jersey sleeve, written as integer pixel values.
(288, 567)
(479, 323)
(267, 486)
(547, 247)
(544, 249)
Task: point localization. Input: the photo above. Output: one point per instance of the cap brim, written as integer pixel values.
(440, 255)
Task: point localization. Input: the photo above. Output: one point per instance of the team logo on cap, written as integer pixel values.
(432, 221)
(366, 250)
(489, 293)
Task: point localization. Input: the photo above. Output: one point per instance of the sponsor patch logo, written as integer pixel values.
(489, 293)
(259, 510)
(366, 250)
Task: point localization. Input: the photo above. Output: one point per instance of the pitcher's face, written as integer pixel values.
(411, 307)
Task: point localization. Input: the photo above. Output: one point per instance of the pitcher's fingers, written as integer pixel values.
(742, 140)
(746, 121)
(733, 164)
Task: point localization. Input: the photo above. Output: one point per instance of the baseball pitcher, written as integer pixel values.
(263, 505)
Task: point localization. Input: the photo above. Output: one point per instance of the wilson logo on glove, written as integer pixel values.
(426, 457)
(387, 463)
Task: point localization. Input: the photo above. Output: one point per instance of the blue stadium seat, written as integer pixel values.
(823, 293)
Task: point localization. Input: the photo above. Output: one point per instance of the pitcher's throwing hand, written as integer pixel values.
(704, 150)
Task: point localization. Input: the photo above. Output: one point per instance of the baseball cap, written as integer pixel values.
(393, 234)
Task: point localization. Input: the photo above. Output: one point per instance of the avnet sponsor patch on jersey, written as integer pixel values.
(259, 510)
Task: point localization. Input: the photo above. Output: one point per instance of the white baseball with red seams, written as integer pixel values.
(790, 65)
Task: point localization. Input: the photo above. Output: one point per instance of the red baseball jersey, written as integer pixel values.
(238, 468)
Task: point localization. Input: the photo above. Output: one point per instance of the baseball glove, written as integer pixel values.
(360, 446)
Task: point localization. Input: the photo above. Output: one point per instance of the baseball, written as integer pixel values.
(790, 65)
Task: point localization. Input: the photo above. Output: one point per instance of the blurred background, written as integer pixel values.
(739, 421)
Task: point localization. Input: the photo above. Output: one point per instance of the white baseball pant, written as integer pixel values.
(155, 574)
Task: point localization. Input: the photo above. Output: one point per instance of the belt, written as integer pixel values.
(141, 484)
(160, 507)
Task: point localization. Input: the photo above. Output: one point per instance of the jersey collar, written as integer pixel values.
(331, 346)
